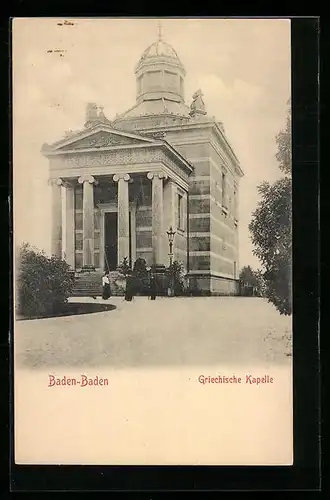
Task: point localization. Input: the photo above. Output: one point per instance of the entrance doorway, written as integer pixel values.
(110, 241)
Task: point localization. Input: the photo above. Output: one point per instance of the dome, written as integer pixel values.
(160, 73)
(159, 48)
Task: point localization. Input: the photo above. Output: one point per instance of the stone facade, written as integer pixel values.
(160, 164)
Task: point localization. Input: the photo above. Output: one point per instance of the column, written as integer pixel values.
(123, 217)
(69, 224)
(157, 217)
(56, 236)
(88, 182)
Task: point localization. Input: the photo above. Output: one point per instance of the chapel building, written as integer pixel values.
(118, 186)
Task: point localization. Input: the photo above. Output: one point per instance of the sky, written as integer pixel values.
(242, 66)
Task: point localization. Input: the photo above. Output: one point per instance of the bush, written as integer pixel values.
(124, 267)
(140, 268)
(176, 273)
(43, 284)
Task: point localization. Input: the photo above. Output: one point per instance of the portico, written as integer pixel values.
(108, 191)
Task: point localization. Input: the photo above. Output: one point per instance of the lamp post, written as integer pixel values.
(171, 235)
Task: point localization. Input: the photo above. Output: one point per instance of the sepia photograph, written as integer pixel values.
(152, 241)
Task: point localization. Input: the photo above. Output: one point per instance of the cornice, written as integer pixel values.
(207, 124)
(163, 146)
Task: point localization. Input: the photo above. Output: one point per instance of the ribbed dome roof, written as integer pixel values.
(159, 48)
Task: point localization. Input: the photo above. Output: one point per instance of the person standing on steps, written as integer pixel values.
(106, 291)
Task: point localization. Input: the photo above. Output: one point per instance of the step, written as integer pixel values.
(90, 285)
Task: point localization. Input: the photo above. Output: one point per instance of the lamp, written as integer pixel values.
(171, 235)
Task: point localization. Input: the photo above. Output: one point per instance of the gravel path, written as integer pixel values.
(165, 332)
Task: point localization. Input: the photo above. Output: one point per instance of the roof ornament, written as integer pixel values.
(102, 118)
(91, 112)
(197, 107)
(95, 115)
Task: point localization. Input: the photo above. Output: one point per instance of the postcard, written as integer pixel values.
(152, 241)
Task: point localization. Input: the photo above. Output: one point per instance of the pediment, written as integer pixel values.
(99, 139)
(102, 140)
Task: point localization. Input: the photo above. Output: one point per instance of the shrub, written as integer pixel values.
(140, 268)
(176, 275)
(43, 284)
(124, 267)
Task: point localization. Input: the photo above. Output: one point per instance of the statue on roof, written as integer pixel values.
(197, 106)
(95, 115)
(101, 117)
(91, 111)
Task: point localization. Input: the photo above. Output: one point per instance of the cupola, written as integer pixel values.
(160, 73)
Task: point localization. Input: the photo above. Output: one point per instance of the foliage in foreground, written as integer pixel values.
(43, 284)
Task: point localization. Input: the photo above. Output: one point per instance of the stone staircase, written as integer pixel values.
(87, 285)
(90, 284)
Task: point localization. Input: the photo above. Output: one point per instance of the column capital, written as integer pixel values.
(56, 182)
(87, 178)
(67, 183)
(126, 177)
(160, 175)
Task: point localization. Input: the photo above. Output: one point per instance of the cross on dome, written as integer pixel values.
(160, 33)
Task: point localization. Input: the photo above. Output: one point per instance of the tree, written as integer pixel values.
(247, 276)
(284, 145)
(251, 279)
(270, 228)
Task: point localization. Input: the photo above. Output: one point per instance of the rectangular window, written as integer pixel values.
(171, 81)
(78, 197)
(78, 260)
(235, 204)
(224, 191)
(79, 220)
(96, 241)
(180, 212)
(153, 80)
(96, 259)
(236, 201)
(78, 241)
(97, 219)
